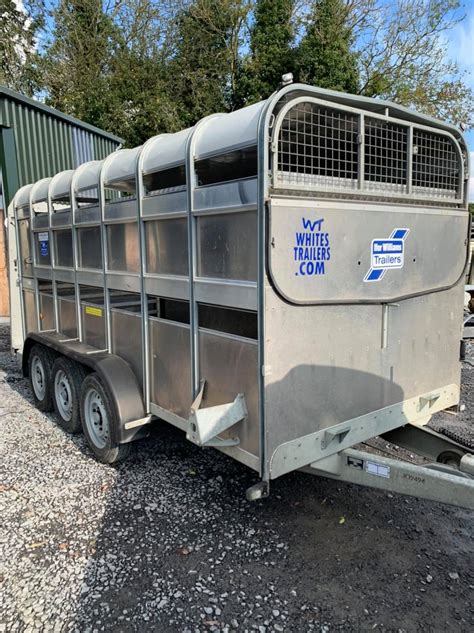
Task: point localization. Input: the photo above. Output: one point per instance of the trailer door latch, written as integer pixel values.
(206, 424)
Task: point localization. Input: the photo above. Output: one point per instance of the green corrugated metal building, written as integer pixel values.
(37, 141)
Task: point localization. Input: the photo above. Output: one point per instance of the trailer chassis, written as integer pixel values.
(434, 481)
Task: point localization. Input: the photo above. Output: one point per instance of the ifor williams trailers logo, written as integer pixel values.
(387, 253)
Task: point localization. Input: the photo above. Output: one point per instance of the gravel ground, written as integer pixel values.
(167, 541)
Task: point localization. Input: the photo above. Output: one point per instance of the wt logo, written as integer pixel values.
(312, 225)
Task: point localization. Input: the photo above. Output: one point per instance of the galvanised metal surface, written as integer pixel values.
(451, 486)
(331, 250)
(67, 316)
(170, 366)
(259, 272)
(126, 332)
(45, 141)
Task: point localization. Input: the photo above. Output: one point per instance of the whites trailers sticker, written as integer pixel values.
(387, 253)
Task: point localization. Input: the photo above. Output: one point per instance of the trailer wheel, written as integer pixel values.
(40, 363)
(97, 419)
(67, 377)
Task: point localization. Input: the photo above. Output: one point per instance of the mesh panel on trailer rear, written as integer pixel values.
(318, 146)
(385, 155)
(435, 164)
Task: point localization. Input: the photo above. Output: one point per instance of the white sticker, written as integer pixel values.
(43, 236)
(386, 254)
(377, 469)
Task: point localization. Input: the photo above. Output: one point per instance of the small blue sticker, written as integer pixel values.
(43, 239)
(387, 253)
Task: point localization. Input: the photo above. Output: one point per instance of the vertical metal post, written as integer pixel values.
(19, 259)
(385, 308)
(52, 255)
(143, 294)
(75, 251)
(264, 176)
(33, 259)
(192, 269)
(192, 251)
(105, 258)
(361, 165)
(410, 160)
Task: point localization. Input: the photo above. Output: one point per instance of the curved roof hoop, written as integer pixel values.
(164, 151)
(39, 193)
(230, 131)
(60, 185)
(90, 172)
(120, 165)
(22, 197)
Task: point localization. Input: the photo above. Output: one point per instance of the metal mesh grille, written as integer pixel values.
(317, 146)
(435, 162)
(385, 155)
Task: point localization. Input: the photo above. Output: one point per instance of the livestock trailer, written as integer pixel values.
(283, 283)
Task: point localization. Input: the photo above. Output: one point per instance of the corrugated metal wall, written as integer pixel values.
(47, 144)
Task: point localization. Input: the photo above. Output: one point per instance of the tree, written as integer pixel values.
(77, 62)
(107, 66)
(200, 74)
(141, 67)
(402, 52)
(139, 101)
(271, 52)
(18, 59)
(325, 57)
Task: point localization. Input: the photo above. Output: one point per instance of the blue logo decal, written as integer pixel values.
(43, 239)
(387, 253)
(311, 250)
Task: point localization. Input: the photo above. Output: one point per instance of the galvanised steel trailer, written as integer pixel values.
(282, 283)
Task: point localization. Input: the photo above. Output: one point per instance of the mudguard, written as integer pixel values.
(116, 373)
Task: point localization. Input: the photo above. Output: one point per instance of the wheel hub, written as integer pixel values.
(62, 389)
(95, 417)
(38, 377)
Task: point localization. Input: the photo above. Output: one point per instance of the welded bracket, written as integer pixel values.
(133, 424)
(428, 401)
(334, 434)
(206, 424)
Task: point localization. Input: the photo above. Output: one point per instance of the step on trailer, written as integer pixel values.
(283, 283)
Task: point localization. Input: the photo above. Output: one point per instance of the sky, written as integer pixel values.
(461, 50)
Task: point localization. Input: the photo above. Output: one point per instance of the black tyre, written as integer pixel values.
(67, 377)
(40, 364)
(98, 418)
